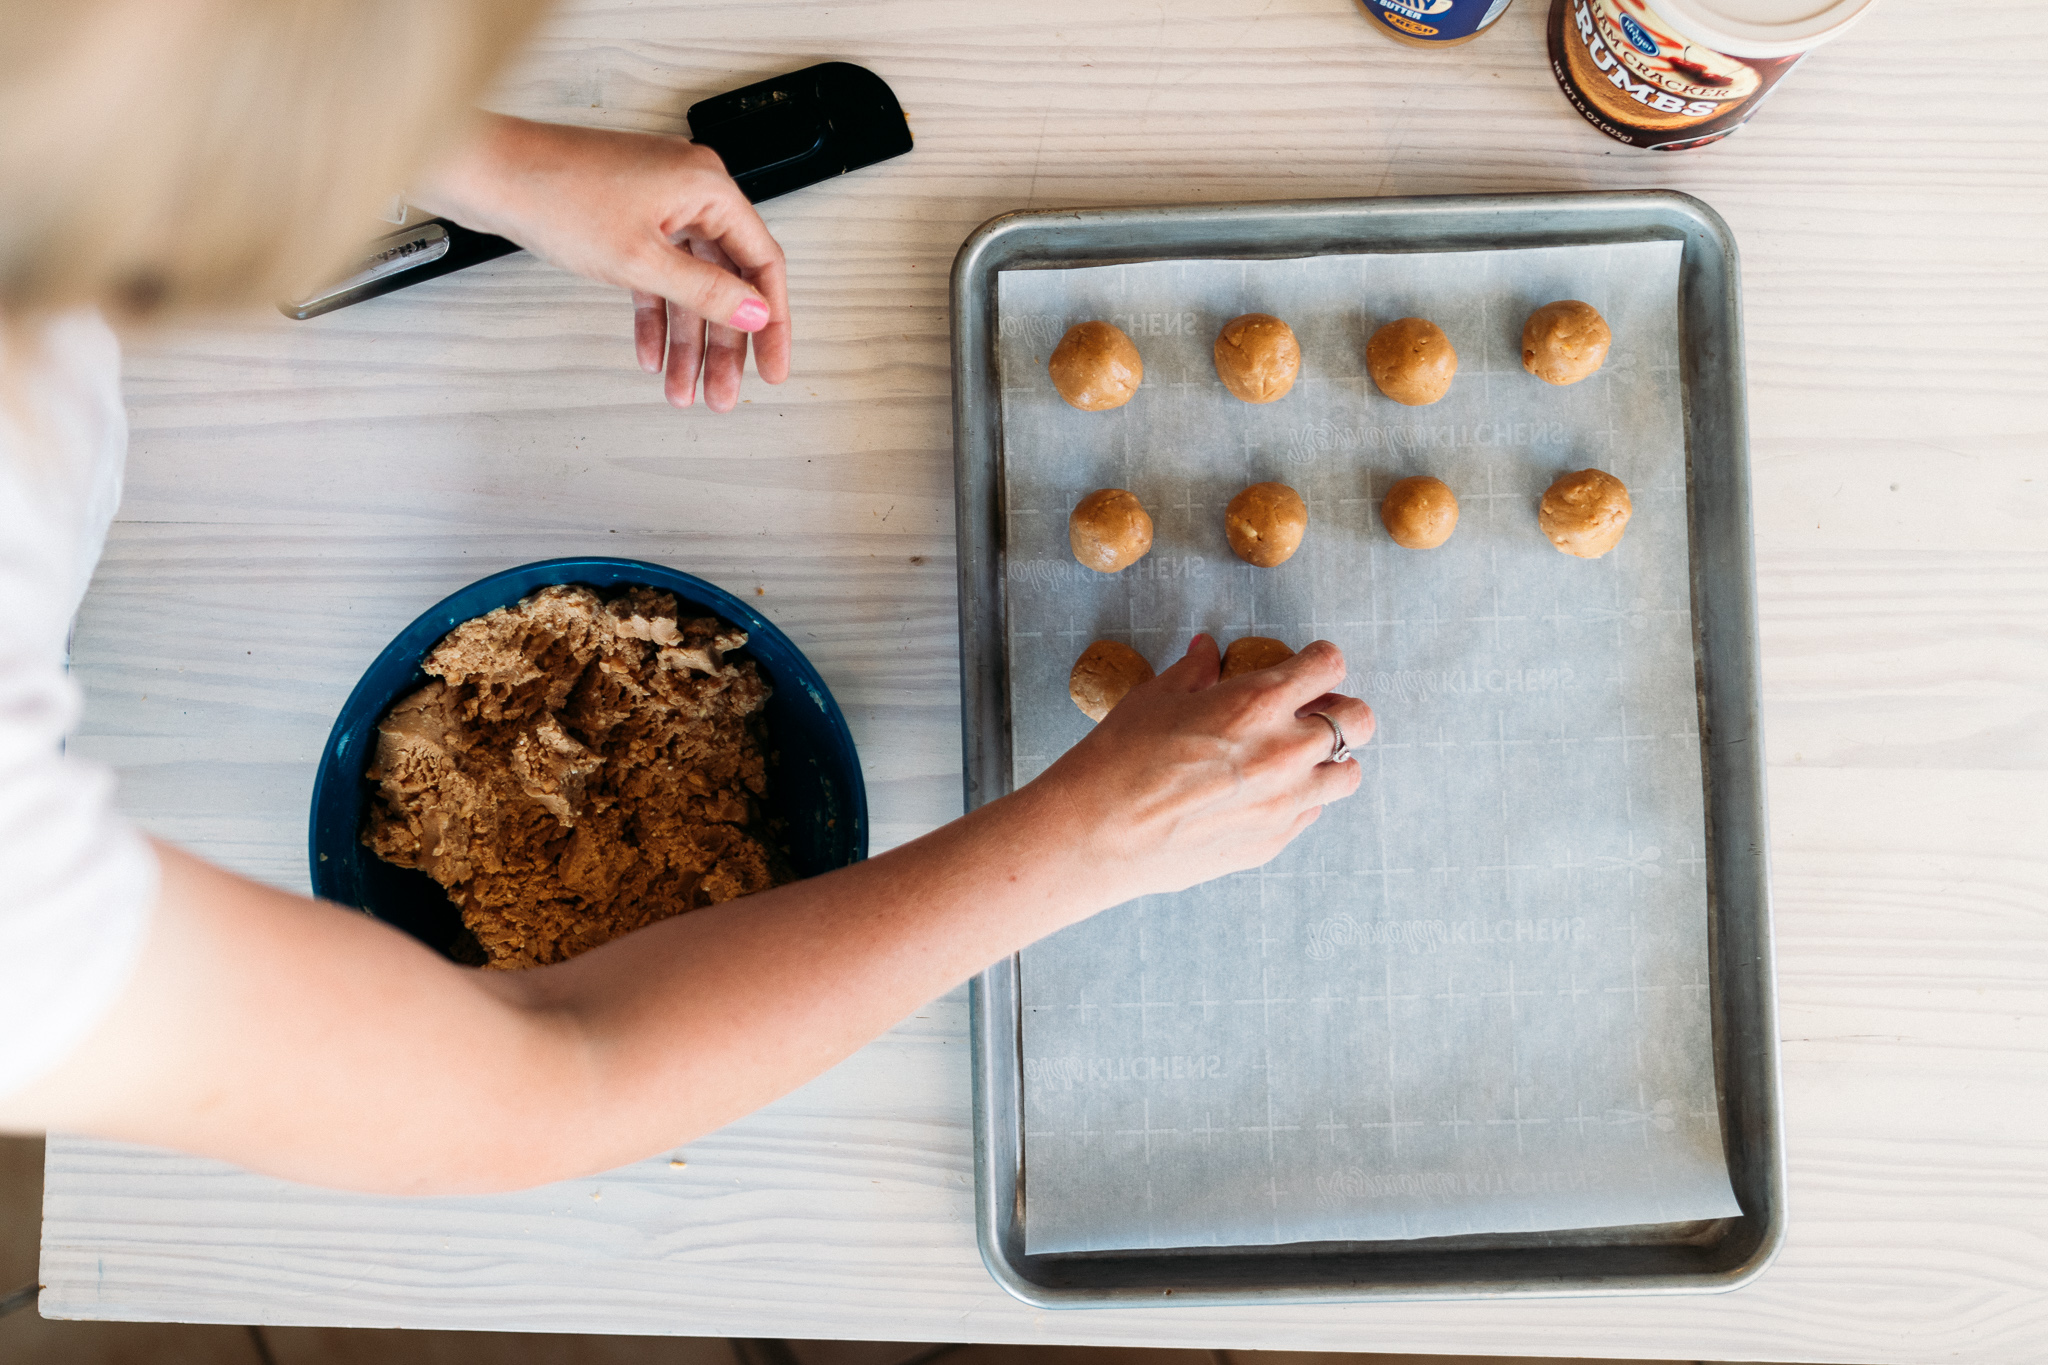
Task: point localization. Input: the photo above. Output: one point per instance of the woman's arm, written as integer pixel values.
(312, 1042)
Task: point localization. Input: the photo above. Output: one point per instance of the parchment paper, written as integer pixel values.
(1474, 997)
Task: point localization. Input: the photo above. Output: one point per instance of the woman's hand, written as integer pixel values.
(654, 214)
(1189, 779)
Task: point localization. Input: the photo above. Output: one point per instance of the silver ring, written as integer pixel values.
(1339, 750)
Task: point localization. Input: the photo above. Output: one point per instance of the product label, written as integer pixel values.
(1436, 21)
(1637, 79)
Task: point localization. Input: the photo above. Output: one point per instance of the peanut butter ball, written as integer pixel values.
(1420, 513)
(1109, 530)
(1412, 361)
(1104, 674)
(1564, 342)
(1252, 653)
(1265, 523)
(1257, 357)
(1096, 367)
(1585, 513)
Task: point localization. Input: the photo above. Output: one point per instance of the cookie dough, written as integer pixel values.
(1109, 530)
(1257, 357)
(1420, 513)
(1585, 513)
(1265, 523)
(1252, 653)
(1412, 361)
(1104, 674)
(1564, 342)
(578, 768)
(1096, 367)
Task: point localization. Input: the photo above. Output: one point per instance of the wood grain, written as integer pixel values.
(299, 491)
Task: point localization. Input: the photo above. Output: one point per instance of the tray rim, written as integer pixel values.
(1741, 948)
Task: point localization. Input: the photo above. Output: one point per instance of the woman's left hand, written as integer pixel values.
(651, 213)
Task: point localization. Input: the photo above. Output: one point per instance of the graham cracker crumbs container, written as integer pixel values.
(1433, 23)
(1674, 74)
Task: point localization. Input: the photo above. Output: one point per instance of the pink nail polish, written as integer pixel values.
(750, 316)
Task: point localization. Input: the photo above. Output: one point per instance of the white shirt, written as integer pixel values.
(78, 882)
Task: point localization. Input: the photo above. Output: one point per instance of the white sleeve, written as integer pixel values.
(78, 882)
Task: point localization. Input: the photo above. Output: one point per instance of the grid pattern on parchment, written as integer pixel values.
(1474, 997)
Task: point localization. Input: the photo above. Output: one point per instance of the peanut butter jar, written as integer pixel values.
(1433, 23)
(1674, 74)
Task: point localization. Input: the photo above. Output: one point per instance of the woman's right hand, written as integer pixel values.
(1189, 779)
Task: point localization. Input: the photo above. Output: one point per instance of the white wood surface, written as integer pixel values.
(299, 491)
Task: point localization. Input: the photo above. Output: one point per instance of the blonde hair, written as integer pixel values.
(162, 157)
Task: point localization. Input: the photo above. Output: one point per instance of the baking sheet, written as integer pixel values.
(1474, 997)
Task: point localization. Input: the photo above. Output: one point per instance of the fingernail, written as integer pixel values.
(750, 316)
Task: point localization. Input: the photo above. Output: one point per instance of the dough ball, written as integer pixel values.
(1420, 513)
(1585, 513)
(1563, 342)
(1104, 674)
(1251, 654)
(1257, 357)
(1265, 524)
(1109, 530)
(1096, 367)
(1412, 361)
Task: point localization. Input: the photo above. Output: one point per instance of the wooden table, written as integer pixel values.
(299, 491)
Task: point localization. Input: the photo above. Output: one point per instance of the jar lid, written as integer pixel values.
(1760, 28)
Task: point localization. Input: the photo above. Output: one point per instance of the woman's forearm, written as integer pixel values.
(312, 1042)
(703, 1018)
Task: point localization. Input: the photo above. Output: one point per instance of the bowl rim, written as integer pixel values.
(366, 703)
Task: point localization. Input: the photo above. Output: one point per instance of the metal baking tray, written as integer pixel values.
(1702, 1257)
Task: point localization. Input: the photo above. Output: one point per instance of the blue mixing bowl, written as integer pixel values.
(815, 792)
